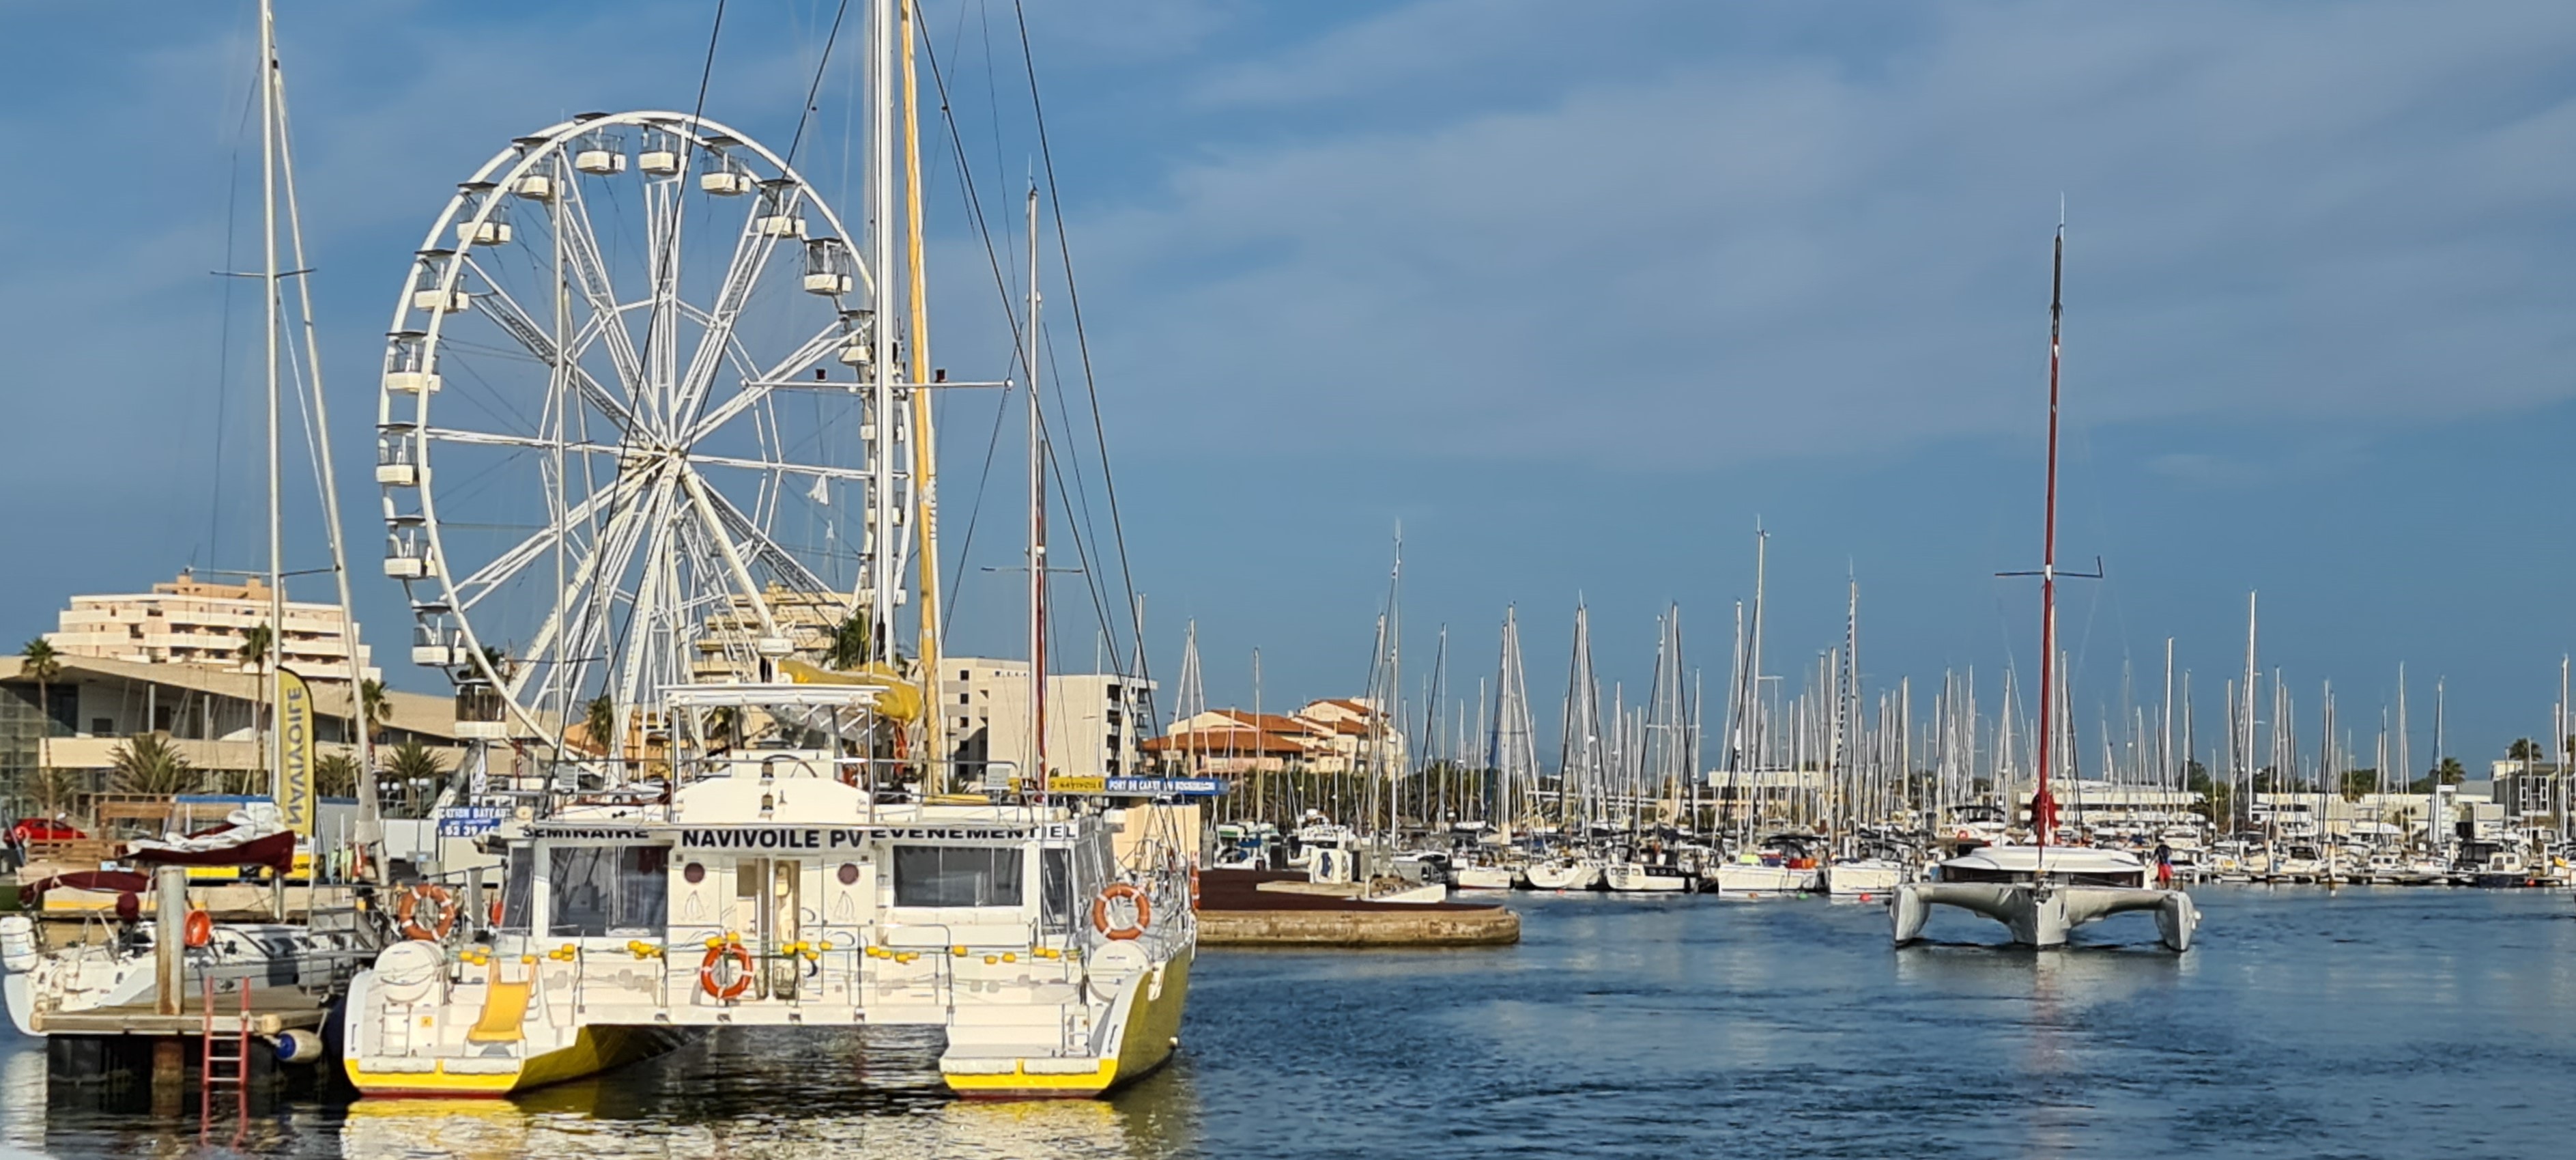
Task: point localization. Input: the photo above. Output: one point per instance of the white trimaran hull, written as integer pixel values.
(2043, 916)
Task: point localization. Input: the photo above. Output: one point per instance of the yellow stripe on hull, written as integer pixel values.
(1153, 1029)
(593, 1050)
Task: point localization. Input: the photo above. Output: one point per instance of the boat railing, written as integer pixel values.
(883, 780)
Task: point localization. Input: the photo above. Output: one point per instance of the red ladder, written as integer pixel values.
(223, 1058)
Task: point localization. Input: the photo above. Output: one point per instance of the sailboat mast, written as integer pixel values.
(272, 301)
(368, 832)
(1037, 516)
(2043, 808)
(925, 451)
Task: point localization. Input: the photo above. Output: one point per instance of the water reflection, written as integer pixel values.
(774, 1093)
(2411, 1019)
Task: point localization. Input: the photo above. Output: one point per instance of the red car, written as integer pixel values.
(42, 830)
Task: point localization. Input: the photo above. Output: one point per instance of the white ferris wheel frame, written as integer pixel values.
(664, 479)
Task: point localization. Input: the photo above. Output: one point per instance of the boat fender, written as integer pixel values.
(717, 953)
(18, 943)
(433, 927)
(1194, 888)
(198, 930)
(1113, 892)
(298, 1046)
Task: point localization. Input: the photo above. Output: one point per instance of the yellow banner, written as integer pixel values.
(295, 742)
(1077, 785)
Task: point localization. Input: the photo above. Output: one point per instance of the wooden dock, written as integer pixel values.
(268, 1016)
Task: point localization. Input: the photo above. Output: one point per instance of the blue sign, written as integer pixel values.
(1167, 786)
(469, 821)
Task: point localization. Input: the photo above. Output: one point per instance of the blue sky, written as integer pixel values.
(1575, 294)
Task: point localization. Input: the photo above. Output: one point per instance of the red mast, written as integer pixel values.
(2043, 807)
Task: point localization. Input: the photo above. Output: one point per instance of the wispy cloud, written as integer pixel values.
(1841, 244)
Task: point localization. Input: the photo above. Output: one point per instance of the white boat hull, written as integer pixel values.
(2043, 916)
(1864, 878)
(1753, 880)
(1563, 876)
(1486, 877)
(1628, 878)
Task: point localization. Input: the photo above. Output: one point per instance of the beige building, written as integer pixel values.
(200, 623)
(806, 622)
(1336, 736)
(1094, 721)
(79, 719)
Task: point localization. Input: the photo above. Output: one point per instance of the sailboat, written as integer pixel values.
(1511, 761)
(2040, 892)
(316, 956)
(1578, 773)
(1649, 867)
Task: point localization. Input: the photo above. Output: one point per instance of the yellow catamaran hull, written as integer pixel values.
(593, 1050)
(1152, 1032)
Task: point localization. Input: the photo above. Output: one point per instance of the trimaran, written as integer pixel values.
(2042, 891)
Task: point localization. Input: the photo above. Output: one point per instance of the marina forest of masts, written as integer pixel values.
(1820, 753)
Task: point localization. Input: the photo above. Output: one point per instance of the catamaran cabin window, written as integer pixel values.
(518, 889)
(1055, 887)
(603, 890)
(956, 876)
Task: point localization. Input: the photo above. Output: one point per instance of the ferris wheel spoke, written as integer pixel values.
(491, 577)
(537, 442)
(788, 568)
(585, 577)
(754, 389)
(514, 320)
(750, 257)
(644, 624)
(712, 525)
(590, 273)
(776, 468)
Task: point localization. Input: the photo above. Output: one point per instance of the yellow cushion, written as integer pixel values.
(505, 1007)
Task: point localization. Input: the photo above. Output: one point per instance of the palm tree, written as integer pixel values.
(254, 648)
(599, 720)
(52, 790)
(850, 642)
(147, 763)
(374, 706)
(411, 764)
(335, 775)
(40, 663)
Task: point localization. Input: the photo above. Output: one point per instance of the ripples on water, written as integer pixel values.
(2372, 1022)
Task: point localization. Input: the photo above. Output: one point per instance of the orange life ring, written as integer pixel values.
(442, 904)
(741, 955)
(198, 931)
(496, 914)
(1113, 892)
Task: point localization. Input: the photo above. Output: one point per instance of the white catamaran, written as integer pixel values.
(733, 804)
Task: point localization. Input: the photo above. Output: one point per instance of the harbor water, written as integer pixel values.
(2366, 1022)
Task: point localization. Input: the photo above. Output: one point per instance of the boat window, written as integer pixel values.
(1055, 887)
(956, 876)
(518, 889)
(601, 890)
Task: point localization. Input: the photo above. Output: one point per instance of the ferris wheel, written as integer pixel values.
(625, 433)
